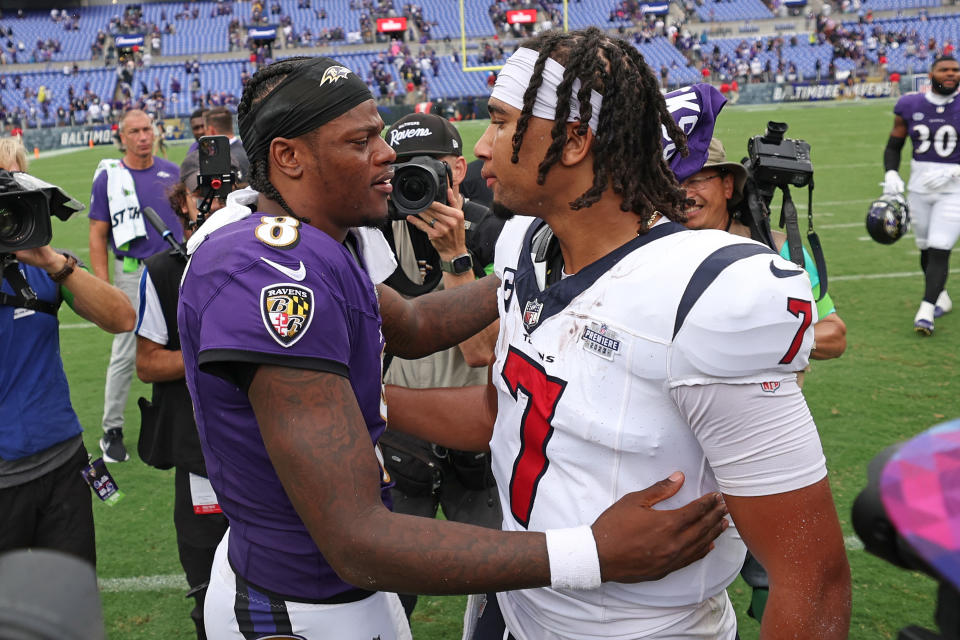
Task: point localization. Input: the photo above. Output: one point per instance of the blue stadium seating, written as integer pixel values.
(727, 10)
(102, 82)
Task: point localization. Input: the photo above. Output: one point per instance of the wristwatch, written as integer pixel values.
(458, 266)
(67, 269)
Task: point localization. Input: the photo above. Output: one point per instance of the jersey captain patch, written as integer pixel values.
(601, 340)
(287, 310)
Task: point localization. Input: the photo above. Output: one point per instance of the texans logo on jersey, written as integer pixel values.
(287, 310)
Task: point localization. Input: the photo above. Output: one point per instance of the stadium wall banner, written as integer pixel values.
(390, 25)
(125, 41)
(656, 8)
(48, 138)
(262, 33)
(812, 92)
(522, 16)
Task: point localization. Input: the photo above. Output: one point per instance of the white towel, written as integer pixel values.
(125, 218)
(373, 246)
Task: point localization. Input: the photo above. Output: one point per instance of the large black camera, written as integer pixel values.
(417, 184)
(776, 162)
(26, 204)
(779, 161)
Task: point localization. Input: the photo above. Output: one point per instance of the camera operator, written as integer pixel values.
(168, 433)
(459, 240)
(43, 496)
(715, 193)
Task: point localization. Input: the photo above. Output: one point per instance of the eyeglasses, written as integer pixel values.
(698, 184)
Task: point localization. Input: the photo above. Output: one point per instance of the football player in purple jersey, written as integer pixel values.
(280, 326)
(932, 120)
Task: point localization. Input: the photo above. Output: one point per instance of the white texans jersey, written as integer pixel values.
(587, 373)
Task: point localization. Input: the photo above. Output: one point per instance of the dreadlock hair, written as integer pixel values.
(627, 151)
(258, 88)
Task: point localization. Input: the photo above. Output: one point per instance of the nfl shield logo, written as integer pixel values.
(770, 387)
(287, 310)
(531, 313)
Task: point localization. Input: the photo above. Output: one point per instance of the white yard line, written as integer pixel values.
(170, 582)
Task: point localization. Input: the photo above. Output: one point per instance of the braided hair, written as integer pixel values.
(258, 88)
(627, 151)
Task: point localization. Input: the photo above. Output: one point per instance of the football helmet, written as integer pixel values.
(888, 218)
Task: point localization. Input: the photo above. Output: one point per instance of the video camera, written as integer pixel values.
(417, 184)
(26, 204)
(776, 162)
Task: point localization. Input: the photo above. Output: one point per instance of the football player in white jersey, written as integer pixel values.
(630, 346)
(932, 120)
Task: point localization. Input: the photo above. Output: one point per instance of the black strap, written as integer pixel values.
(398, 280)
(25, 297)
(814, 240)
(788, 216)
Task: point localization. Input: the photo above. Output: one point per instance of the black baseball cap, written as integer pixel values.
(424, 134)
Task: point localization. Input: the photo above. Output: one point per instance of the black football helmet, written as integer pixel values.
(888, 218)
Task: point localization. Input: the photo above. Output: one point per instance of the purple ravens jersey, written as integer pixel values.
(269, 290)
(933, 128)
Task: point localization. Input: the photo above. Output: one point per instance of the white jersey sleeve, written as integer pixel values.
(150, 321)
(760, 439)
(751, 322)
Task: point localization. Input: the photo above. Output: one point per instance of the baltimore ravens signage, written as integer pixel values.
(287, 310)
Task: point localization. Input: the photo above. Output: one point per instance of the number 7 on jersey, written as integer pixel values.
(542, 393)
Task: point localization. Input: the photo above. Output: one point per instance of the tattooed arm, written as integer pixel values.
(438, 320)
(314, 432)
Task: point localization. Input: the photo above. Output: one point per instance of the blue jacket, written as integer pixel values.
(35, 409)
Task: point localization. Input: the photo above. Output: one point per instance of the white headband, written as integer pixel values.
(515, 77)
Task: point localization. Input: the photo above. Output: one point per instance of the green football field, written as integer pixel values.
(890, 384)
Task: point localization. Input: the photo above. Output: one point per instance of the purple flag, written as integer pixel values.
(695, 110)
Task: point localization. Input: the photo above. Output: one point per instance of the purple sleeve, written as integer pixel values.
(259, 316)
(903, 107)
(99, 205)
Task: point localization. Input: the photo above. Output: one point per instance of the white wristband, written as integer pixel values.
(574, 561)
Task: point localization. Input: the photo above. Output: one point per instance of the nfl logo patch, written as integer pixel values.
(287, 310)
(770, 387)
(531, 313)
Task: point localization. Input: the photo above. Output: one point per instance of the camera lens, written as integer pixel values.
(413, 187)
(12, 226)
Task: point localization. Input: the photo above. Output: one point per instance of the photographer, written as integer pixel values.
(428, 476)
(714, 194)
(43, 496)
(168, 433)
